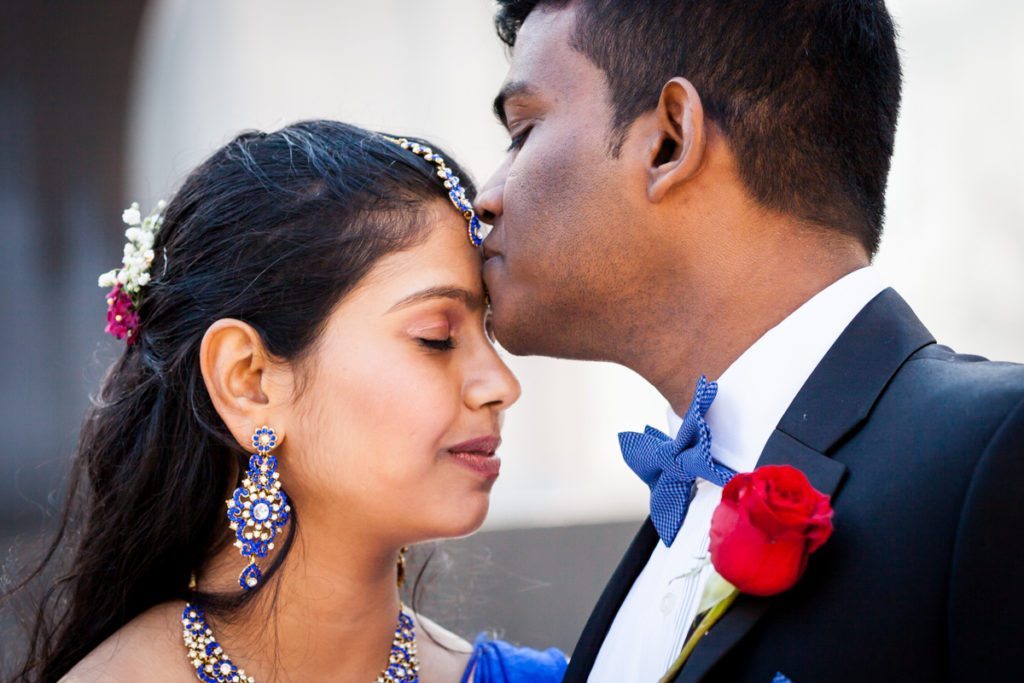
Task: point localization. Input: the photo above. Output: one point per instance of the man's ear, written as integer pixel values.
(235, 367)
(677, 148)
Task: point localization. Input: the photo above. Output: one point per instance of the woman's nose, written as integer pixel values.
(492, 385)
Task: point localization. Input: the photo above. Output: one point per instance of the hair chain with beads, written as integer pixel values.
(452, 183)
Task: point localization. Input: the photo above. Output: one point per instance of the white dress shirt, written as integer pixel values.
(753, 394)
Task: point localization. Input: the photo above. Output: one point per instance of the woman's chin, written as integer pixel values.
(468, 517)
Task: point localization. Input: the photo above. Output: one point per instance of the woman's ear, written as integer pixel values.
(677, 150)
(236, 369)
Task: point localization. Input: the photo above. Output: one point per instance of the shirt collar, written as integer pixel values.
(755, 391)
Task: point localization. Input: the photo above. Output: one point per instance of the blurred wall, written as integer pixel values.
(65, 78)
(954, 237)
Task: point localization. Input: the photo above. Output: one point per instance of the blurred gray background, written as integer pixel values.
(111, 101)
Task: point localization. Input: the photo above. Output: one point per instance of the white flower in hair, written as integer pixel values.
(138, 251)
(128, 280)
(131, 215)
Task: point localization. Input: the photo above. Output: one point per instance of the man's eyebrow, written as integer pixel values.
(508, 91)
(472, 300)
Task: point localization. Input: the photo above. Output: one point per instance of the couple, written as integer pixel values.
(694, 188)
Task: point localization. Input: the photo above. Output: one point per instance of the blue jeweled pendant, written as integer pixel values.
(207, 656)
(258, 509)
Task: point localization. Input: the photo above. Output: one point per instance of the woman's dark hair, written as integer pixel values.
(273, 229)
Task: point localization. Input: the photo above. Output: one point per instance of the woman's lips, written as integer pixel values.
(487, 465)
(478, 455)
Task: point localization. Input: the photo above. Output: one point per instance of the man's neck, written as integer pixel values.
(707, 333)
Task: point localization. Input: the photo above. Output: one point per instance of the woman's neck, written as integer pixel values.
(328, 614)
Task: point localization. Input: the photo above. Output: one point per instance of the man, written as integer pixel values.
(696, 187)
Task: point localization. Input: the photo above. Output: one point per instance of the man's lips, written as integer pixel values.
(478, 455)
(490, 250)
(491, 260)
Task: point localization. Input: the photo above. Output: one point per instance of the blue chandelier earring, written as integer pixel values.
(258, 509)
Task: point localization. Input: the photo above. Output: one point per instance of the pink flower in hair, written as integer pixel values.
(122, 318)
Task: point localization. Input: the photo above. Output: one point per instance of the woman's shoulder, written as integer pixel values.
(443, 655)
(496, 661)
(148, 647)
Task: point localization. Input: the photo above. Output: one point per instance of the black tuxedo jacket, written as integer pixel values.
(922, 451)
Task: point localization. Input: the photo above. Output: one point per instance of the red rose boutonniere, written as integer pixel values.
(768, 523)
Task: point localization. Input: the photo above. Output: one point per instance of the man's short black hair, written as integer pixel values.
(807, 92)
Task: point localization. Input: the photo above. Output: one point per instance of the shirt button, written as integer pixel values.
(668, 603)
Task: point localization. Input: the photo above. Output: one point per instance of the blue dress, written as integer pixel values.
(495, 661)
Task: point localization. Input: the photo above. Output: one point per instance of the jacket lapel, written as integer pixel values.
(834, 403)
(633, 562)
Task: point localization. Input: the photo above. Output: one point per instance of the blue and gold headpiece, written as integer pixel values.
(451, 182)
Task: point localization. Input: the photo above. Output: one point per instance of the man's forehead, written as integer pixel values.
(544, 36)
(544, 63)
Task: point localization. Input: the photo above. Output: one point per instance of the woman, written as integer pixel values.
(305, 337)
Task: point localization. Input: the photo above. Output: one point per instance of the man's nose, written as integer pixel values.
(488, 200)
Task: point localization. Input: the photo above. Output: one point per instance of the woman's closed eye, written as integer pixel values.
(433, 335)
(446, 344)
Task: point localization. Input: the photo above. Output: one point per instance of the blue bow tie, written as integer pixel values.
(670, 467)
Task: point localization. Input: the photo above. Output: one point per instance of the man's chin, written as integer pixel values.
(493, 270)
(513, 313)
(522, 330)
(509, 325)
(513, 344)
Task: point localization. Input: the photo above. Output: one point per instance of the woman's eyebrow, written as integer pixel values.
(472, 300)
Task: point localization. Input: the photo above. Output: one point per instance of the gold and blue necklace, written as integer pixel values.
(212, 664)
